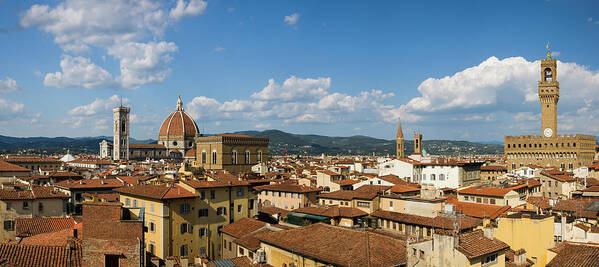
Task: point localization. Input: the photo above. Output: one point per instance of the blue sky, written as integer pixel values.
(450, 70)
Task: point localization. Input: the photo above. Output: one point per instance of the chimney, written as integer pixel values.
(520, 257)
(488, 231)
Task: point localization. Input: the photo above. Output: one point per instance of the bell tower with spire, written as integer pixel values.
(399, 141)
(548, 95)
(121, 132)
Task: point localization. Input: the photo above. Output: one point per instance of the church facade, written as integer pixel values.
(175, 138)
(566, 151)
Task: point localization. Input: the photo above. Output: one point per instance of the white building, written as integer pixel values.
(448, 174)
(403, 168)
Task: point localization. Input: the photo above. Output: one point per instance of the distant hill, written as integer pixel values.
(280, 142)
(363, 145)
(90, 145)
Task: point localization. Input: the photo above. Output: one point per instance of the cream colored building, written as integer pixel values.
(565, 151)
(231, 152)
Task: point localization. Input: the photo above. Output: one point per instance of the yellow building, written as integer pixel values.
(549, 149)
(531, 232)
(187, 217)
(231, 152)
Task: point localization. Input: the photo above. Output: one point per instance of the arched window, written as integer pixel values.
(234, 157)
(247, 157)
(548, 75)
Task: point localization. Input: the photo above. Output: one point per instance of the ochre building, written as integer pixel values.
(231, 152)
(567, 151)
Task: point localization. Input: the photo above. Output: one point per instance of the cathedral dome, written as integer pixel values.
(178, 124)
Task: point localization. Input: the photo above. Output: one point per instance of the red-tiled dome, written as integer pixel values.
(178, 123)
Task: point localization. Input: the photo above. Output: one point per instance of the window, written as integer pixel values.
(8, 205)
(490, 259)
(111, 260)
(259, 156)
(203, 213)
(247, 157)
(230, 246)
(391, 204)
(441, 177)
(152, 227)
(186, 228)
(388, 223)
(184, 208)
(214, 157)
(492, 201)
(203, 157)
(433, 177)
(202, 195)
(9, 225)
(25, 205)
(203, 232)
(127, 202)
(152, 207)
(240, 192)
(465, 198)
(239, 208)
(233, 157)
(221, 211)
(478, 200)
(135, 203)
(40, 206)
(152, 248)
(240, 251)
(203, 251)
(212, 194)
(183, 251)
(363, 204)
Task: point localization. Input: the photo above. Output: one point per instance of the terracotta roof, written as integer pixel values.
(486, 191)
(156, 191)
(540, 202)
(575, 255)
(242, 227)
(294, 188)
(147, 146)
(272, 210)
(36, 192)
(41, 256)
(212, 184)
(404, 188)
(333, 211)
(477, 210)
(558, 175)
(576, 206)
(591, 189)
(394, 179)
(331, 173)
(340, 246)
(437, 222)
(64, 174)
(33, 226)
(346, 182)
(250, 241)
(33, 160)
(178, 123)
(92, 161)
(91, 184)
(9, 167)
(191, 153)
(368, 192)
(475, 244)
(56, 238)
(493, 168)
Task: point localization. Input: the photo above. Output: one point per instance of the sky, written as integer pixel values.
(464, 70)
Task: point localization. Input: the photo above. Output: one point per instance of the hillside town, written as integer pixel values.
(223, 200)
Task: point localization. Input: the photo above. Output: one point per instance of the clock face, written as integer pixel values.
(548, 132)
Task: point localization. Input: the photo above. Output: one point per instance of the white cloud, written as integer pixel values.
(8, 85)
(9, 109)
(294, 89)
(555, 54)
(291, 19)
(262, 125)
(191, 8)
(219, 49)
(121, 29)
(98, 106)
(78, 71)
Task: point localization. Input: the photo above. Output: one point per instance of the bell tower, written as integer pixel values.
(121, 133)
(549, 95)
(399, 142)
(417, 144)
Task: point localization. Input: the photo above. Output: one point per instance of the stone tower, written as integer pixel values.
(418, 144)
(548, 95)
(121, 133)
(399, 141)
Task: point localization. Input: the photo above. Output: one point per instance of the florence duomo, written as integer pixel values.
(299, 133)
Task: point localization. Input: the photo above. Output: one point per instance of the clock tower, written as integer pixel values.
(548, 95)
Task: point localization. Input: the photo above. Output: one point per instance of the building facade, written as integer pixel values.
(231, 152)
(549, 149)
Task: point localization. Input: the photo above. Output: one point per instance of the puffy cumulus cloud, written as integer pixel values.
(10, 109)
(98, 106)
(292, 19)
(296, 100)
(191, 8)
(294, 89)
(120, 28)
(507, 87)
(8, 86)
(78, 71)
